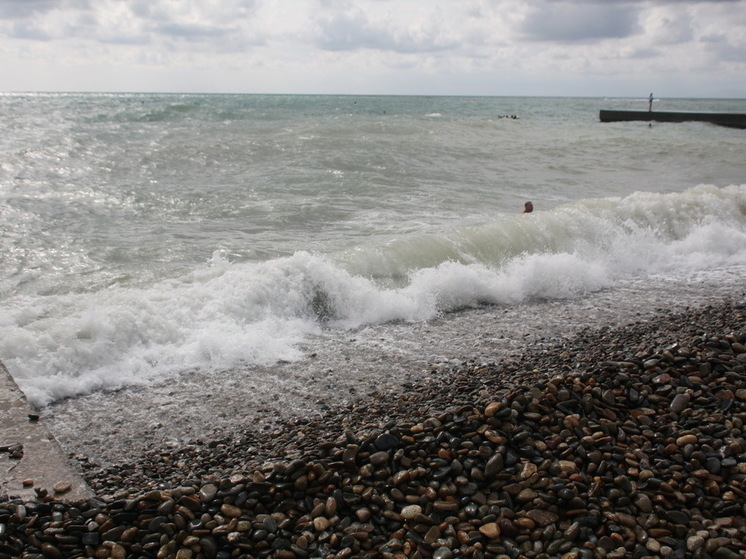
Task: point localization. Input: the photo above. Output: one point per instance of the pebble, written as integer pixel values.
(411, 512)
(491, 530)
(680, 402)
(443, 553)
(626, 442)
(62, 487)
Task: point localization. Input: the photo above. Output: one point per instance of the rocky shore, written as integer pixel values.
(624, 442)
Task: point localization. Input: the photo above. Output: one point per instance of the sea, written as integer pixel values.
(176, 264)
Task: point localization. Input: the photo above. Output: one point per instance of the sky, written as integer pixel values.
(593, 48)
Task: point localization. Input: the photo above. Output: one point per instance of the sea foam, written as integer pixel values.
(226, 314)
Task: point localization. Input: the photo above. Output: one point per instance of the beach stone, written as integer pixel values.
(363, 514)
(410, 512)
(209, 547)
(379, 458)
(680, 402)
(569, 467)
(386, 441)
(349, 455)
(677, 517)
(321, 523)
(493, 466)
(230, 511)
(725, 553)
(330, 507)
(51, 551)
(713, 465)
(62, 487)
(623, 483)
(686, 439)
(208, 492)
(507, 527)
(626, 520)
(542, 517)
(528, 470)
(443, 553)
(644, 503)
(526, 495)
(492, 408)
(490, 530)
(694, 543)
(432, 535)
(653, 545)
(572, 532)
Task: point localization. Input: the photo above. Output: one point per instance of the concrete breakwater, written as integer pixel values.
(619, 443)
(32, 464)
(730, 120)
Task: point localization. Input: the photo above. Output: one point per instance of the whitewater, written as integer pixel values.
(280, 254)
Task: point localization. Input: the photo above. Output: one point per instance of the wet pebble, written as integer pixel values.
(624, 442)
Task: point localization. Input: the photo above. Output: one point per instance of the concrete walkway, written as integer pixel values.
(31, 460)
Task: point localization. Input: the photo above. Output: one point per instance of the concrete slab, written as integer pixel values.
(30, 457)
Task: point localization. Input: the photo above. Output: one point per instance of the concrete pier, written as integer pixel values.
(31, 460)
(732, 120)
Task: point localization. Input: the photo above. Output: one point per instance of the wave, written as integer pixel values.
(228, 314)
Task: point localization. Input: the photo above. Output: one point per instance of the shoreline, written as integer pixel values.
(343, 368)
(636, 449)
(471, 383)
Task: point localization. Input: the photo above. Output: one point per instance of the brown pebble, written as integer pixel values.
(542, 517)
(608, 461)
(410, 512)
(230, 511)
(330, 507)
(492, 408)
(379, 458)
(686, 439)
(490, 530)
(119, 552)
(62, 487)
(321, 524)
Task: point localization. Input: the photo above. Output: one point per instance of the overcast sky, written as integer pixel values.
(675, 48)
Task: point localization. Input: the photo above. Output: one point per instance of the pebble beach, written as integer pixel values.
(625, 441)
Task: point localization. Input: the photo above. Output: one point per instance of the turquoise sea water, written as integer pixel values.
(162, 238)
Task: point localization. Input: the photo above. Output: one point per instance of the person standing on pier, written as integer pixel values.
(650, 103)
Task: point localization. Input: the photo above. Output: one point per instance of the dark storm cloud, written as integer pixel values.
(570, 22)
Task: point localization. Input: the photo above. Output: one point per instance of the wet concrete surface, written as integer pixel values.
(32, 463)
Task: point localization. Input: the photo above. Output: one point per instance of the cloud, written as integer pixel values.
(348, 32)
(358, 30)
(571, 22)
(18, 9)
(418, 46)
(192, 31)
(669, 26)
(722, 49)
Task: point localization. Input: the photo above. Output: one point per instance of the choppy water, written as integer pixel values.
(175, 241)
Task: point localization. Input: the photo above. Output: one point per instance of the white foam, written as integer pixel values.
(226, 314)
